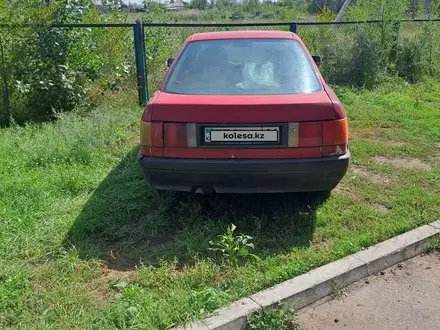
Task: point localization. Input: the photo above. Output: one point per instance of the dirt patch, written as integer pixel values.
(341, 188)
(364, 132)
(110, 274)
(103, 283)
(381, 208)
(382, 141)
(372, 132)
(410, 163)
(135, 140)
(373, 177)
(344, 189)
(102, 294)
(322, 245)
(402, 297)
(392, 143)
(123, 262)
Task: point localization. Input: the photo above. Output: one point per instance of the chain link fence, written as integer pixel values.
(356, 53)
(353, 53)
(47, 69)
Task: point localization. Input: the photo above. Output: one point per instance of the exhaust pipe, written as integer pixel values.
(202, 191)
(199, 192)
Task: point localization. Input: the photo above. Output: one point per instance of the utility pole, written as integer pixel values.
(341, 12)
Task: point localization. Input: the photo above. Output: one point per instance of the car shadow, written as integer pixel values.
(125, 222)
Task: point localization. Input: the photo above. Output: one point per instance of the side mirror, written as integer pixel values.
(170, 61)
(317, 60)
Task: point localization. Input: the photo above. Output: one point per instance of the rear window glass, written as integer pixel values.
(243, 67)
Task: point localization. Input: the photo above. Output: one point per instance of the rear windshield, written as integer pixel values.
(243, 67)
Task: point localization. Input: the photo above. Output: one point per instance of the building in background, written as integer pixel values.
(177, 5)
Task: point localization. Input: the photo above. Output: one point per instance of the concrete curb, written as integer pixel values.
(316, 284)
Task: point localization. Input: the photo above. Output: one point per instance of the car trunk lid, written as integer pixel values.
(223, 109)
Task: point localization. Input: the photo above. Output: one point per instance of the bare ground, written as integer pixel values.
(409, 163)
(362, 171)
(405, 296)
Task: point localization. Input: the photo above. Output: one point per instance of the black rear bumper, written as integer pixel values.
(245, 176)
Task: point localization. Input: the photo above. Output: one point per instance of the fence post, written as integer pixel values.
(293, 27)
(141, 71)
(393, 53)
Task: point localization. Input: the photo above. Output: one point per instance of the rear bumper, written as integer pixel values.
(245, 176)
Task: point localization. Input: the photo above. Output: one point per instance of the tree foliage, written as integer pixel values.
(199, 4)
(47, 70)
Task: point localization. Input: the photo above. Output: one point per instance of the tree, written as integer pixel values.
(44, 70)
(251, 5)
(199, 4)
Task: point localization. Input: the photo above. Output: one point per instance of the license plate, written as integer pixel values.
(242, 135)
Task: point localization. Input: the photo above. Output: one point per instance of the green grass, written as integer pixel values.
(85, 243)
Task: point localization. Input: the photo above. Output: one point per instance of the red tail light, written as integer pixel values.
(334, 137)
(310, 134)
(335, 132)
(151, 134)
(175, 135)
(331, 136)
(336, 150)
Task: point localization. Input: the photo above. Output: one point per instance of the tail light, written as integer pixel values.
(334, 137)
(175, 135)
(145, 137)
(310, 134)
(151, 134)
(180, 135)
(331, 136)
(335, 132)
(304, 135)
(337, 150)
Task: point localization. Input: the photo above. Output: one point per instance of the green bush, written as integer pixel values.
(348, 57)
(365, 61)
(281, 317)
(48, 70)
(334, 49)
(429, 43)
(409, 64)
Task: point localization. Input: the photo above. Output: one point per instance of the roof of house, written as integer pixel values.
(176, 5)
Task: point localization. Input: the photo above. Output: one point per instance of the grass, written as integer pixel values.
(85, 243)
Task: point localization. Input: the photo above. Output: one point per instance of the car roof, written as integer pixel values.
(242, 35)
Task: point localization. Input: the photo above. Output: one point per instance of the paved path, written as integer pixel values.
(403, 297)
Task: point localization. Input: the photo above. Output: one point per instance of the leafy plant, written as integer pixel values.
(365, 63)
(44, 70)
(12, 290)
(338, 290)
(433, 244)
(207, 299)
(409, 64)
(234, 248)
(129, 298)
(281, 317)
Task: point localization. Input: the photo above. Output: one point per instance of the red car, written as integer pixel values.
(244, 112)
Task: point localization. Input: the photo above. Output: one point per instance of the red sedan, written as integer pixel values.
(244, 112)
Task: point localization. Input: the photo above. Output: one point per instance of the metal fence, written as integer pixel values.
(153, 43)
(45, 69)
(164, 40)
